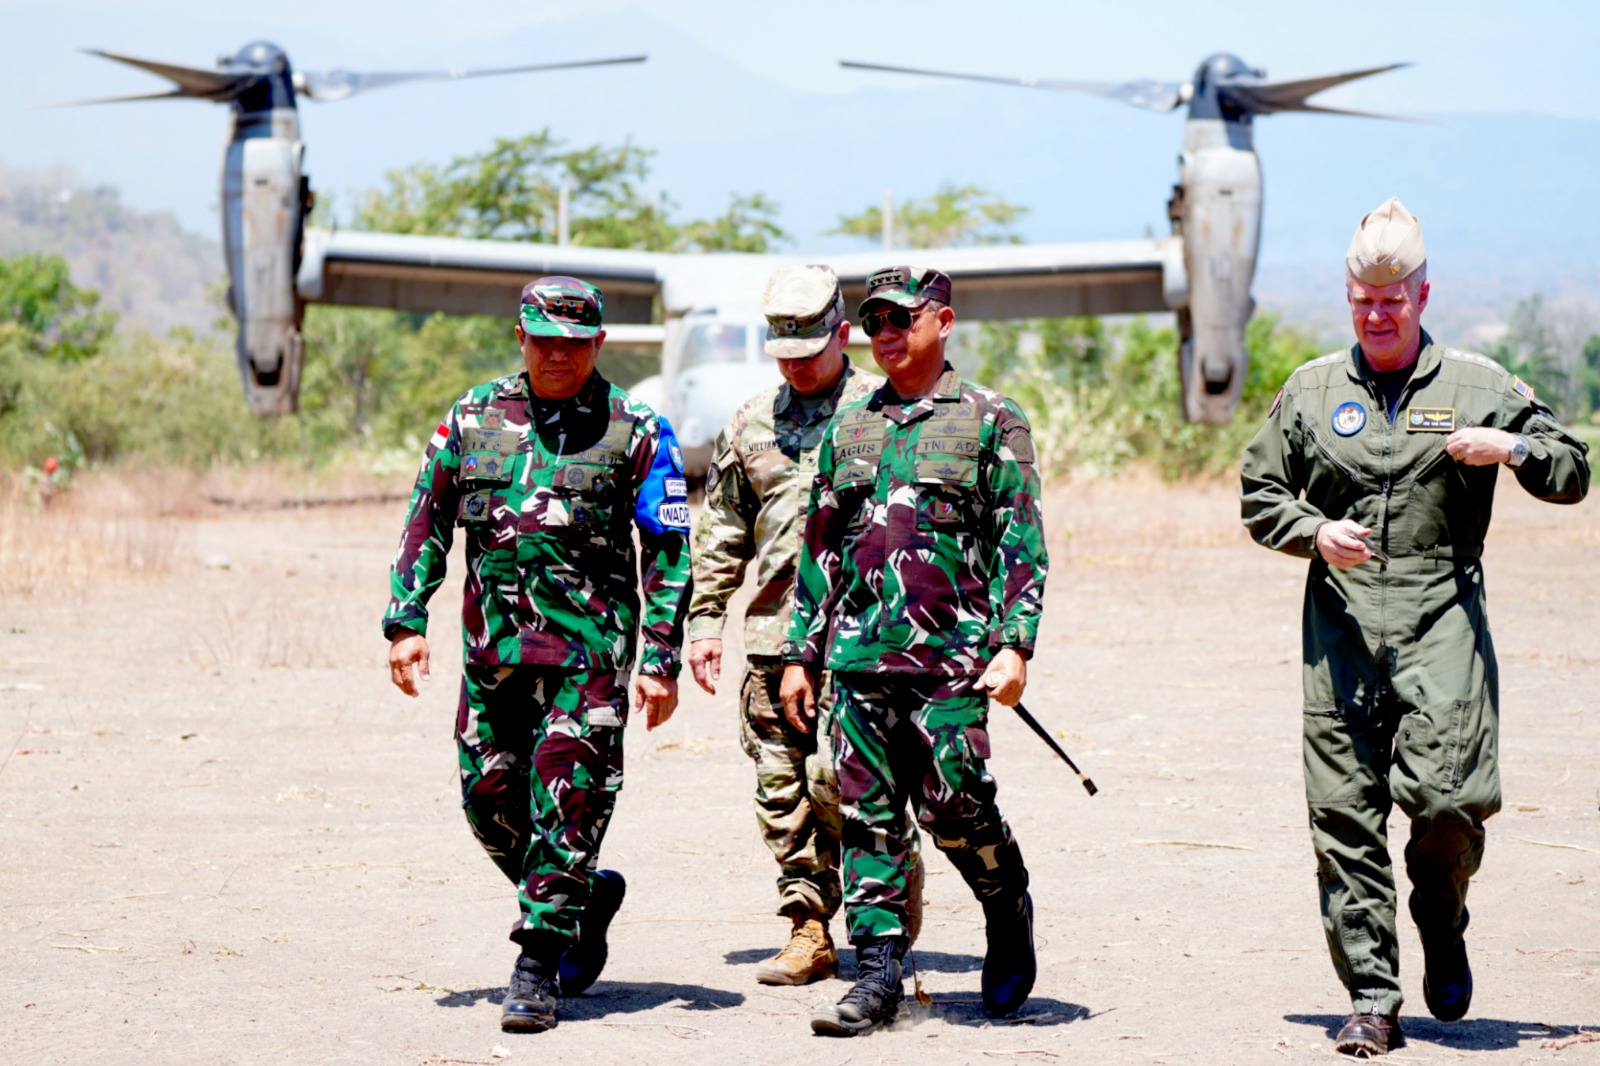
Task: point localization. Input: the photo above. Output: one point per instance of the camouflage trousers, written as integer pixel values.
(900, 738)
(797, 794)
(541, 765)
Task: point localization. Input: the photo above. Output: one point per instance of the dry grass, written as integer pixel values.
(105, 528)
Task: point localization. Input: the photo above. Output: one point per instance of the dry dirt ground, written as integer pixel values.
(227, 839)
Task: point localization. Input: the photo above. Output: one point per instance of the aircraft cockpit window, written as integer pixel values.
(716, 342)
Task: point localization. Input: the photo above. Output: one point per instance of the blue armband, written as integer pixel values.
(663, 501)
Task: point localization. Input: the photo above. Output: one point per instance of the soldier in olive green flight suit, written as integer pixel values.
(1379, 463)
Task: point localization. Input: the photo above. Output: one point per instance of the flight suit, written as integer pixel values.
(1399, 676)
(548, 494)
(923, 557)
(762, 466)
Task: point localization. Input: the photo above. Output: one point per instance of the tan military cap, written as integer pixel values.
(1387, 245)
(803, 306)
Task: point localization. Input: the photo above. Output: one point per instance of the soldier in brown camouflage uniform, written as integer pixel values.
(756, 488)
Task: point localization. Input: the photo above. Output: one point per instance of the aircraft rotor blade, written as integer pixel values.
(191, 81)
(1148, 94)
(170, 94)
(330, 85)
(1270, 97)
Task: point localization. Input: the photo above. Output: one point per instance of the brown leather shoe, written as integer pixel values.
(1368, 1035)
(808, 956)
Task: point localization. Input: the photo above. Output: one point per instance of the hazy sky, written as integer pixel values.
(1475, 55)
(1471, 57)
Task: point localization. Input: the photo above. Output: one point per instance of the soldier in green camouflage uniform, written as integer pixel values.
(920, 585)
(1379, 464)
(756, 490)
(548, 472)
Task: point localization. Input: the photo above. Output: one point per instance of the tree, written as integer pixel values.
(512, 192)
(749, 225)
(376, 376)
(53, 317)
(952, 217)
(1589, 378)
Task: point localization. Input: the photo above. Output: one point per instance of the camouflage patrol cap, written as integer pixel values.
(1387, 245)
(560, 307)
(907, 286)
(804, 307)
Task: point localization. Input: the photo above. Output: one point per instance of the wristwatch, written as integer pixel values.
(1519, 451)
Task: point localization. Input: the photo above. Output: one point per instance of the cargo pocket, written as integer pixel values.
(1449, 749)
(1330, 757)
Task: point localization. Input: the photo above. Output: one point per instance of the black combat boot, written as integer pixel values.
(1009, 966)
(876, 995)
(584, 960)
(1447, 977)
(530, 1005)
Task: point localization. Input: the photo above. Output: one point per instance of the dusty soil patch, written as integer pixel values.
(228, 839)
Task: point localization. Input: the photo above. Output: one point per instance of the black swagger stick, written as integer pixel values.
(1033, 724)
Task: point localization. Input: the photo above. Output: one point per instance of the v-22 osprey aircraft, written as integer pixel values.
(711, 324)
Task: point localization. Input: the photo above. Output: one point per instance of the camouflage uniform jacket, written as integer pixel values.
(546, 491)
(760, 477)
(924, 542)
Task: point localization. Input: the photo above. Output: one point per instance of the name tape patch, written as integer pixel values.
(1431, 420)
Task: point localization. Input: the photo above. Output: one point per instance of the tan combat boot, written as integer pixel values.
(808, 956)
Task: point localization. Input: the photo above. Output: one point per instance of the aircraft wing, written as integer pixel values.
(1040, 280)
(459, 276)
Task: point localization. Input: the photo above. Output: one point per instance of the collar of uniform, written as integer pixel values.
(787, 403)
(1427, 360)
(587, 398)
(514, 386)
(948, 390)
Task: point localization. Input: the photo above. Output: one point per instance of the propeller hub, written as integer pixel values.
(259, 57)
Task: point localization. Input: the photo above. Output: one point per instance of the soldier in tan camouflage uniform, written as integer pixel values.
(756, 488)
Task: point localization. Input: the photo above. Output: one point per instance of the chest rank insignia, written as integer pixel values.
(1348, 418)
(1430, 420)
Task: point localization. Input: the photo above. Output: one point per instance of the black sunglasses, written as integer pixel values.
(898, 317)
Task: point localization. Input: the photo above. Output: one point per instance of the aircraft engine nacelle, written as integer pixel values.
(263, 212)
(1221, 220)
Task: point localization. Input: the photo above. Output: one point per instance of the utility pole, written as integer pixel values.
(888, 218)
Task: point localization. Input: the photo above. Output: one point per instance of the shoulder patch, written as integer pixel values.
(1277, 402)
(1521, 388)
(1020, 443)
